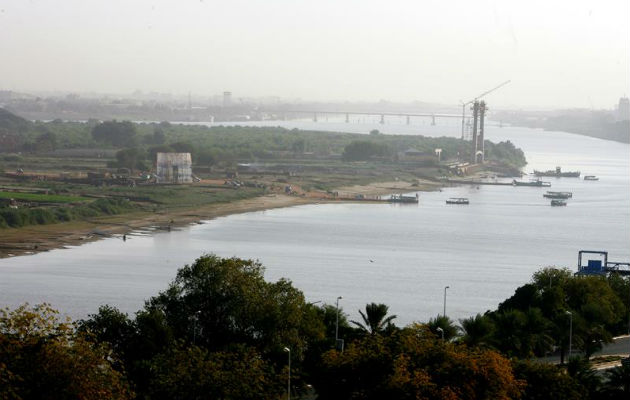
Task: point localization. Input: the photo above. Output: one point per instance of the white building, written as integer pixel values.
(174, 168)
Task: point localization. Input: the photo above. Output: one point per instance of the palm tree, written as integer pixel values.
(375, 318)
(477, 330)
(445, 324)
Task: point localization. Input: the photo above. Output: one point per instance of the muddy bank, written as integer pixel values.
(38, 238)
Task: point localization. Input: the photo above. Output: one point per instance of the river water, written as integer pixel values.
(401, 255)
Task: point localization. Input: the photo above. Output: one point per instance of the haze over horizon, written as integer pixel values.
(557, 54)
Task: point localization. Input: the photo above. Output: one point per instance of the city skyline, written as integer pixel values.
(557, 55)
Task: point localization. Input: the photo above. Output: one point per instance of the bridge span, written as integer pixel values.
(315, 113)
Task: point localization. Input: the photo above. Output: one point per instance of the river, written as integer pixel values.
(400, 255)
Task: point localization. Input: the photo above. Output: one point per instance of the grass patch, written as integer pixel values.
(19, 217)
(41, 198)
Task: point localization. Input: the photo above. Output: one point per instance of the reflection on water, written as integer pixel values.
(483, 251)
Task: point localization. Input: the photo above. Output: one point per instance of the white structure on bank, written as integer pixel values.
(174, 168)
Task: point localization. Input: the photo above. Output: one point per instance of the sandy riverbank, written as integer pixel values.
(38, 238)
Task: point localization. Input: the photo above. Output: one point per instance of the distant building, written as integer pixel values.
(623, 109)
(174, 168)
(227, 99)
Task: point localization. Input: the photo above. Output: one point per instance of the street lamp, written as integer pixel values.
(288, 350)
(441, 332)
(445, 287)
(337, 322)
(570, 331)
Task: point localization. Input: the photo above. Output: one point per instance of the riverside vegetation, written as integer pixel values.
(219, 331)
(53, 156)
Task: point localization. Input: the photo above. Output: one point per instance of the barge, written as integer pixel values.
(457, 200)
(558, 173)
(535, 183)
(558, 195)
(399, 198)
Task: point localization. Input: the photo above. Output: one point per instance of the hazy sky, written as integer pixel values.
(557, 53)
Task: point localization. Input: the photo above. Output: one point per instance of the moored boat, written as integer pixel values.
(399, 198)
(558, 195)
(591, 178)
(557, 202)
(535, 183)
(457, 200)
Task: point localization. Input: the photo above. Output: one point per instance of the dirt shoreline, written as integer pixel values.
(38, 238)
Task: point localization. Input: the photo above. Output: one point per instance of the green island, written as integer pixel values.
(220, 330)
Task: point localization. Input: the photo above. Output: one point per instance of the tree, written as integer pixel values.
(44, 358)
(219, 301)
(411, 364)
(117, 134)
(47, 141)
(375, 319)
(360, 150)
(131, 158)
(446, 324)
(546, 381)
(191, 372)
(477, 330)
(617, 384)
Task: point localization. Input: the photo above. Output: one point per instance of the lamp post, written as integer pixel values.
(444, 313)
(570, 331)
(288, 350)
(337, 321)
(441, 332)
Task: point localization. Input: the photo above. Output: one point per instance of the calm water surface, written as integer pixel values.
(401, 255)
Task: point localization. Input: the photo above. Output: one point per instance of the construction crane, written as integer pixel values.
(477, 98)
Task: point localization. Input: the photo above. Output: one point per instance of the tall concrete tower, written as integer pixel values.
(227, 99)
(623, 109)
(473, 150)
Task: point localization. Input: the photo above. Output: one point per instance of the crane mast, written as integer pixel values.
(477, 98)
(479, 112)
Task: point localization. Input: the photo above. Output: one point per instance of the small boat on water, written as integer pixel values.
(558, 195)
(457, 200)
(399, 198)
(590, 178)
(535, 183)
(557, 202)
(558, 173)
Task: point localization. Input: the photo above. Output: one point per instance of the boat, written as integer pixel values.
(536, 183)
(590, 178)
(557, 202)
(457, 200)
(558, 173)
(558, 195)
(399, 198)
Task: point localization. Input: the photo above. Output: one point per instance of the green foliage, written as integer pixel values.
(44, 358)
(131, 158)
(219, 328)
(361, 150)
(412, 364)
(42, 198)
(195, 373)
(116, 134)
(477, 330)
(546, 381)
(536, 317)
(375, 319)
(16, 218)
(505, 152)
(47, 141)
(445, 324)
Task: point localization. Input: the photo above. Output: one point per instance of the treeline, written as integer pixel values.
(223, 144)
(221, 331)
